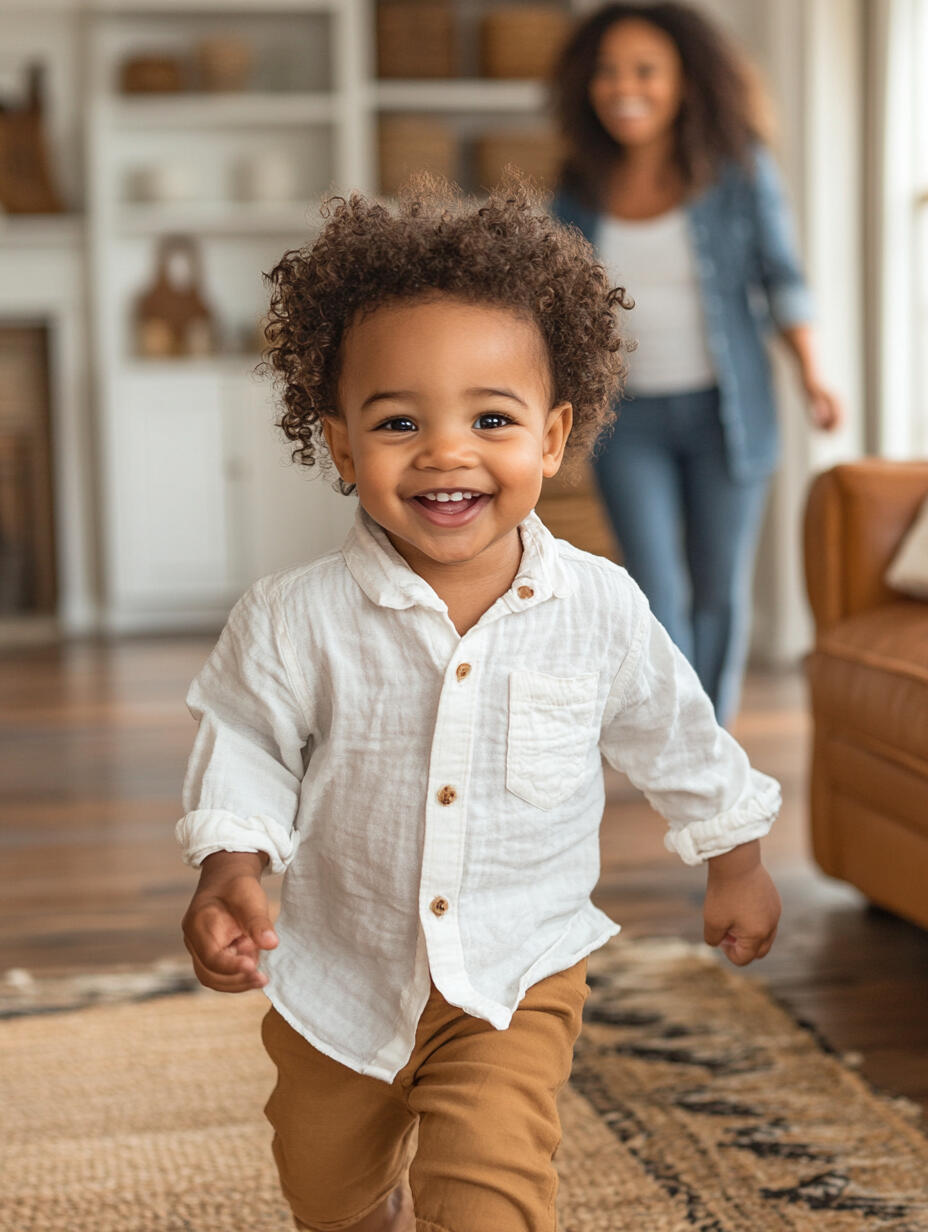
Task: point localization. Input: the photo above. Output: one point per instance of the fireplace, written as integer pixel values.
(27, 548)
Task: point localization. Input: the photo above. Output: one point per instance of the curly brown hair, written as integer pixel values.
(505, 252)
(723, 113)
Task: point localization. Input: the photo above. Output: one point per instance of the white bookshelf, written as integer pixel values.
(199, 495)
(461, 95)
(205, 218)
(234, 110)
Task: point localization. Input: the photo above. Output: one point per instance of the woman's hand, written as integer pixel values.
(825, 409)
(742, 907)
(228, 924)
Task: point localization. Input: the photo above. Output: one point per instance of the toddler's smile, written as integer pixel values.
(450, 508)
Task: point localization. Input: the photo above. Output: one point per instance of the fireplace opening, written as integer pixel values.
(27, 539)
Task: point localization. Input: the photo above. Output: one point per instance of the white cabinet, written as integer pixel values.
(283, 513)
(170, 541)
(205, 495)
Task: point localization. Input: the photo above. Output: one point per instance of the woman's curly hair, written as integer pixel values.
(506, 252)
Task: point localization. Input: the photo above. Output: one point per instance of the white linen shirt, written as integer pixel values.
(435, 799)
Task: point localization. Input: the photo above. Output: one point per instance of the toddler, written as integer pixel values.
(412, 727)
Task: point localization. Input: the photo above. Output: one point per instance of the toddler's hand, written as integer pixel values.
(742, 907)
(227, 924)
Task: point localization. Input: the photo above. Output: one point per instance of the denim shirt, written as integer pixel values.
(750, 278)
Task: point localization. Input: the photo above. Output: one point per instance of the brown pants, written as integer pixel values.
(484, 1103)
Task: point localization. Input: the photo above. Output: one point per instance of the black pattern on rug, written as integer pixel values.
(697, 1073)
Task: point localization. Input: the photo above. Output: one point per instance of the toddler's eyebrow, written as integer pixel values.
(389, 395)
(499, 393)
(395, 395)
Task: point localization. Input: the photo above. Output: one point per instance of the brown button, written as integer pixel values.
(463, 670)
(525, 592)
(447, 795)
(439, 905)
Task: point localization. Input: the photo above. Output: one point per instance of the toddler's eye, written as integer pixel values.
(399, 424)
(492, 419)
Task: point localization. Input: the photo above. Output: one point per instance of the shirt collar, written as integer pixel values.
(388, 581)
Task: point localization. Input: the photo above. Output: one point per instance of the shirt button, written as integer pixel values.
(447, 795)
(439, 905)
(525, 592)
(462, 671)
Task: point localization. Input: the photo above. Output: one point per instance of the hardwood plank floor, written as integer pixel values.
(93, 741)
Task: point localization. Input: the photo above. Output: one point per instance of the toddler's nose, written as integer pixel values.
(446, 451)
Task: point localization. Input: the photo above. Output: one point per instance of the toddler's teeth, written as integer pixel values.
(444, 497)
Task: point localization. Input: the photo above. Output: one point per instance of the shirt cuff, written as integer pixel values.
(747, 820)
(206, 831)
(792, 304)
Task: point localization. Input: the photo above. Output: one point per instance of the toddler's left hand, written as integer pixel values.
(742, 908)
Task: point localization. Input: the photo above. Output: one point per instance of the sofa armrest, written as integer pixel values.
(856, 515)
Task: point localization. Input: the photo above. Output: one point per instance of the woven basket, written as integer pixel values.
(535, 154)
(416, 38)
(152, 74)
(414, 143)
(523, 41)
(225, 63)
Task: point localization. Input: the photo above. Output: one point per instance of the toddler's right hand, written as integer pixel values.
(227, 924)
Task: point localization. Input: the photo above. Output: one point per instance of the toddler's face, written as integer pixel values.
(446, 425)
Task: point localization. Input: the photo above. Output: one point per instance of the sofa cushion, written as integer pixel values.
(869, 677)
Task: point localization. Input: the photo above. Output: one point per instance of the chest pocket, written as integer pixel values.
(550, 730)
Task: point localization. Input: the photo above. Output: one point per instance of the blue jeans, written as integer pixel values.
(687, 530)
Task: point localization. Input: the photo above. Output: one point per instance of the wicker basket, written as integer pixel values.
(535, 154)
(523, 41)
(414, 143)
(416, 38)
(152, 74)
(225, 63)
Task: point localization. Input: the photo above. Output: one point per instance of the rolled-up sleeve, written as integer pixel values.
(242, 786)
(660, 730)
(781, 274)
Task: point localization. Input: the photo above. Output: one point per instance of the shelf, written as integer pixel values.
(219, 218)
(196, 8)
(41, 230)
(219, 110)
(225, 366)
(460, 95)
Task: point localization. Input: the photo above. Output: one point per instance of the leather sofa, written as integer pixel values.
(868, 677)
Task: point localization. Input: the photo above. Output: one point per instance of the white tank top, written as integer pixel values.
(655, 262)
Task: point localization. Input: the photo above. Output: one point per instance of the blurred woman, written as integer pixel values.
(667, 173)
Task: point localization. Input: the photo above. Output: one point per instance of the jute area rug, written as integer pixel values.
(696, 1103)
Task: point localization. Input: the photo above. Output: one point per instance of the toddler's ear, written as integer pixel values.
(557, 429)
(335, 431)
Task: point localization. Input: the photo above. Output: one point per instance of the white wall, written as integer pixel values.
(810, 53)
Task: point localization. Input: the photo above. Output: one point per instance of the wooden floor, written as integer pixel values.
(93, 740)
